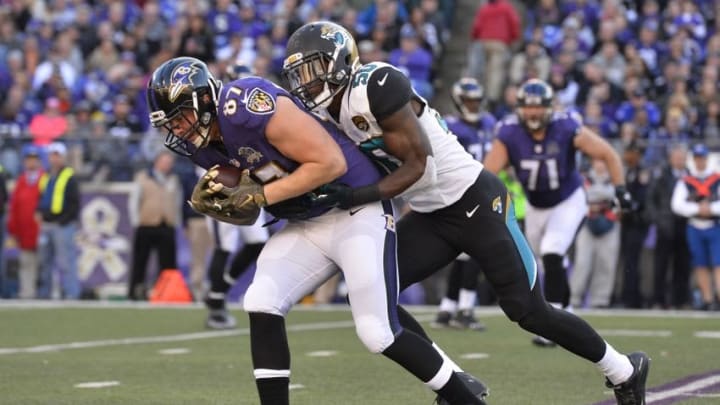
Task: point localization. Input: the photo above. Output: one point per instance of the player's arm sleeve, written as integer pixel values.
(388, 90)
(679, 203)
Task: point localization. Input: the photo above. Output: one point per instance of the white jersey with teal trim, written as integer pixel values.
(456, 169)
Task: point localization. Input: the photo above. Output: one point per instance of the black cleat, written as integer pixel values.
(466, 320)
(220, 319)
(477, 387)
(632, 391)
(442, 320)
(542, 342)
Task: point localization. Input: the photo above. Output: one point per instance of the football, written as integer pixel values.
(228, 176)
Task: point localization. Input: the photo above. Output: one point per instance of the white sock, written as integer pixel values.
(448, 305)
(441, 378)
(466, 299)
(216, 295)
(447, 359)
(616, 366)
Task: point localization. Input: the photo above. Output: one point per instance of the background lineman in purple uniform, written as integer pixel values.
(541, 146)
(473, 127)
(253, 124)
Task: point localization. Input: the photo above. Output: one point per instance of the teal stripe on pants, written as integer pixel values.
(528, 258)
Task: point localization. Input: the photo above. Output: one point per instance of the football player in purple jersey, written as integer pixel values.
(255, 125)
(541, 146)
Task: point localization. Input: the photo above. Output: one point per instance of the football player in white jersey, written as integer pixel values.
(456, 205)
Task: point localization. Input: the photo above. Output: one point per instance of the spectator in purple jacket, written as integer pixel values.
(637, 101)
(650, 49)
(224, 21)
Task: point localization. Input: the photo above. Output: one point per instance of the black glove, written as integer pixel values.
(625, 200)
(295, 208)
(334, 195)
(343, 196)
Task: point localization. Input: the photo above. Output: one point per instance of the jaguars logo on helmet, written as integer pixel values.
(330, 33)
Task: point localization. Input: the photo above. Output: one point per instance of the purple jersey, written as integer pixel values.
(244, 108)
(475, 138)
(545, 168)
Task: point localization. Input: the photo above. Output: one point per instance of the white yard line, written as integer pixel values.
(14, 304)
(634, 332)
(683, 389)
(173, 338)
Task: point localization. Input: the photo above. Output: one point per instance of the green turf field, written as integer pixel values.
(164, 356)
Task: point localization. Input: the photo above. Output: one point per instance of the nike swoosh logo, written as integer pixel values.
(381, 82)
(471, 213)
(353, 212)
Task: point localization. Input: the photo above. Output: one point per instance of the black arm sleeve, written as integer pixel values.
(388, 90)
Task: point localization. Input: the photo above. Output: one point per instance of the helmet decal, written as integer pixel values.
(331, 34)
(292, 59)
(181, 78)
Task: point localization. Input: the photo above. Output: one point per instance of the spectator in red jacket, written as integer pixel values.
(496, 27)
(21, 221)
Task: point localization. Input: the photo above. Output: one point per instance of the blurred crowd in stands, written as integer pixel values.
(643, 74)
(77, 69)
